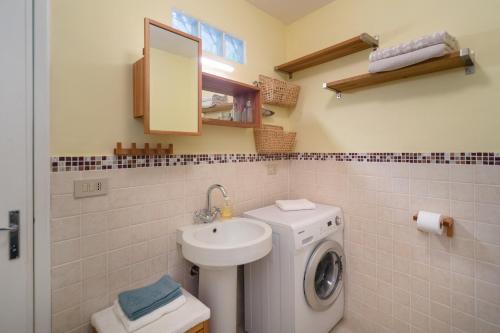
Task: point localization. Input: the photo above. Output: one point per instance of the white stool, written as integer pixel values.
(192, 317)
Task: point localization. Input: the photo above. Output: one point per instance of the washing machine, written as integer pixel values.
(298, 287)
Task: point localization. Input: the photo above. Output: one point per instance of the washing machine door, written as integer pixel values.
(323, 278)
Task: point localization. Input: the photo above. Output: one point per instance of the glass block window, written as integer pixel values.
(234, 49)
(185, 23)
(212, 39)
(215, 41)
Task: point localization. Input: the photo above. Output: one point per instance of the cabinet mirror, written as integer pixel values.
(167, 81)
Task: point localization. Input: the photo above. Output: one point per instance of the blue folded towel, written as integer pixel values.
(139, 302)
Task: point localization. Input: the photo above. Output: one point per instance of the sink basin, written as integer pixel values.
(220, 244)
(217, 248)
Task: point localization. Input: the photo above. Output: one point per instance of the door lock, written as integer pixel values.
(13, 230)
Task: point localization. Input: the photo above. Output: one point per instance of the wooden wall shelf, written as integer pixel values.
(458, 59)
(218, 108)
(220, 85)
(229, 123)
(350, 46)
(134, 151)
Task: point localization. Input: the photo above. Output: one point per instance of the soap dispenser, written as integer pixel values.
(226, 211)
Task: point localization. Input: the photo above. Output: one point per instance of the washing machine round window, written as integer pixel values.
(323, 280)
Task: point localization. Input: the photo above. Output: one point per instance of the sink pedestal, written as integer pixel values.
(218, 248)
(218, 291)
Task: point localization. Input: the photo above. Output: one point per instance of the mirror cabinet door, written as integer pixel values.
(172, 81)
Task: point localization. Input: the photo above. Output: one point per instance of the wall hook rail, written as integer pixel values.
(146, 151)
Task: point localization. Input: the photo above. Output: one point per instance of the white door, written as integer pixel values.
(16, 190)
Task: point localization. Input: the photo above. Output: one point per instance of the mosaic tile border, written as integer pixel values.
(430, 158)
(82, 163)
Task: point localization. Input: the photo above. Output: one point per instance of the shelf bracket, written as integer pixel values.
(470, 70)
(468, 58)
(374, 41)
(338, 94)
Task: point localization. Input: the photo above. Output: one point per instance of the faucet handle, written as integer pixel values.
(206, 216)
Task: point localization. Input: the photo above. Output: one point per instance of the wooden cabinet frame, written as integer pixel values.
(141, 76)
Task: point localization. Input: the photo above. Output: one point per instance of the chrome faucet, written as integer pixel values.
(209, 214)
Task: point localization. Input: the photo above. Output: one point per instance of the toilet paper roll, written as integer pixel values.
(430, 222)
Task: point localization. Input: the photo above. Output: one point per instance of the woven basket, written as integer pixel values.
(277, 92)
(272, 139)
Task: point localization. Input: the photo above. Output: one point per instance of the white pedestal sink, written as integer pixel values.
(217, 248)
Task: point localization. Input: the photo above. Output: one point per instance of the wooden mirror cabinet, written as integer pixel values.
(173, 96)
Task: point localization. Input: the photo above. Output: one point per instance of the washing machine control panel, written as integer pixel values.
(318, 230)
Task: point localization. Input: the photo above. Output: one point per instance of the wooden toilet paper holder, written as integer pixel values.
(447, 222)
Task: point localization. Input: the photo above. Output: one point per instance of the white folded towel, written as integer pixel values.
(299, 204)
(207, 104)
(134, 325)
(440, 37)
(408, 59)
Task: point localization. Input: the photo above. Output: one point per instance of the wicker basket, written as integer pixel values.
(272, 139)
(277, 92)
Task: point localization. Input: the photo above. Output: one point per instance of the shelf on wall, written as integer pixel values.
(218, 108)
(220, 85)
(229, 123)
(457, 59)
(350, 46)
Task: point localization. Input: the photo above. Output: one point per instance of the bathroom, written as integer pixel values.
(405, 160)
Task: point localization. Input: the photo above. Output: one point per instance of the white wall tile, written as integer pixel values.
(65, 275)
(65, 228)
(488, 253)
(66, 320)
(94, 266)
(488, 312)
(463, 303)
(488, 213)
(462, 173)
(65, 251)
(488, 272)
(94, 245)
(488, 233)
(488, 194)
(66, 297)
(93, 224)
(486, 174)
(64, 205)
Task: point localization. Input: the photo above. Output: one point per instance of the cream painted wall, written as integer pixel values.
(174, 92)
(440, 112)
(94, 44)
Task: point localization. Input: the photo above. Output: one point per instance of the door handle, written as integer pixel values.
(9, 229)
(14, 231)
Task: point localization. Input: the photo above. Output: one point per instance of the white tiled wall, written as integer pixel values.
(400, 279)
(104, 245)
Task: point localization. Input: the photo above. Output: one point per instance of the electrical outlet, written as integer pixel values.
(90, 187)
(272, 169)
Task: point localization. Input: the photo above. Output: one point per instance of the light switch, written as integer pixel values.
(90, 187)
